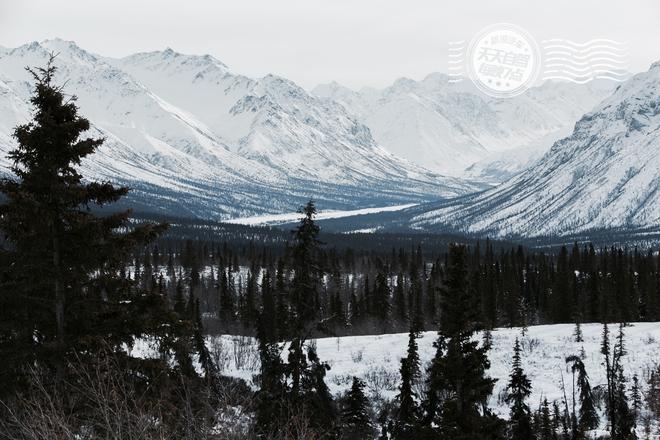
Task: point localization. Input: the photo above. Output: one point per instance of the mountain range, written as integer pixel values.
(454, 129)
(604, 176)
(194, 139)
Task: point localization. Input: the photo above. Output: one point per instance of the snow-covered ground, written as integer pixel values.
(376, 359)
(289, 217)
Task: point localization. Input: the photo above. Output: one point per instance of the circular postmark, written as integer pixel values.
(503, 60)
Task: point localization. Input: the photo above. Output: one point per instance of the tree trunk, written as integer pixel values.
(59, 304)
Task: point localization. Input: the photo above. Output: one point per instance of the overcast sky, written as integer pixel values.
(355, 42)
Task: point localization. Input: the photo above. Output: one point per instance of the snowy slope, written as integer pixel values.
(270, 120)
(606, 174)
(376, 359)
(456, 130)
(192, 137)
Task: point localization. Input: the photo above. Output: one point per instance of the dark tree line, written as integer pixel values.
(362, 293)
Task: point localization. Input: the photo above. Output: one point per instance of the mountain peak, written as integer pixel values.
(169, 52)
(176, 62)
(31, 47)
(68, 48)
(404, 82)
(61, 45)
(332, 90)
(436, 77)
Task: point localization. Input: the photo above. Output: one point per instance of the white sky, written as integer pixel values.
(357, 43)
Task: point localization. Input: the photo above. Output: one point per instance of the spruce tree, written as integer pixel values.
(413, 354)
(487, 339)
(636, 397)
(626, 424)
(518, 390)
(557, 420)
(400, 310)
(458, 388)
(227, 309)
(653, 392)
(545, 430)
(605, 350)
(296, 388)
(303, 292)
(269, 315)
(381, 301)
(305, 284)
(272, 398)
(577, 333)
(62, 292)
(317, 401)
(588, 416)
(356, 419)
(407, 417)
(622, 420)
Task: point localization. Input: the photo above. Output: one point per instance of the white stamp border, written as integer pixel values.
(527, 84)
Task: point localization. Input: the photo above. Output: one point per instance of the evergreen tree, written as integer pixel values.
(296, 388)
(61, 290)
(304, 287)
(458, 388)
(636, 397)
(227, 307)
(400, 311)
(413, 355)
(407, 418)
(545, 430)
(269, 315)
(317, 400)
(518, 390)
(622, 421)
(282, 301)
(248, 314)
(588, 416)
(626, 424)
(303, 292)
(273, 394)
(653, 392)
(356, 420)
(605, 350)
(487, 339)
(381, 301)
(577, 333)
(557, 420)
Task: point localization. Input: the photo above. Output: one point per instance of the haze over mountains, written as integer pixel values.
(454, 129)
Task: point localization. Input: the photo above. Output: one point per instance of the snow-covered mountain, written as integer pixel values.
(606, 174)
(454, 129)
(193, 138)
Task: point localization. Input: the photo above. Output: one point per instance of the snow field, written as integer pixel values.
(376, 358)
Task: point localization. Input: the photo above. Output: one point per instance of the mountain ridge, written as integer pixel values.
(455, 129)
(604, 175)
(157, 145)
